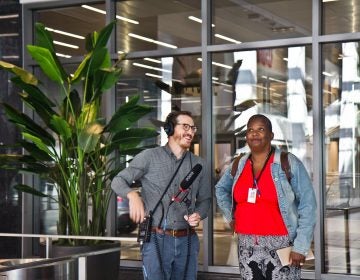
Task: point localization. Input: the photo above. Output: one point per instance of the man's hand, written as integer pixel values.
(296, 259)
(136, 207)
(193, 220)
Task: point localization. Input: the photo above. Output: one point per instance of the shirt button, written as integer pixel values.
(276, 179)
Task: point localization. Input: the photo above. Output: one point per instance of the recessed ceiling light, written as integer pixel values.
(150, 67)
(198, 20)
(65, 33)
(227, 38)
(66, 45)
(9, 34)
(152, 41)
(9, 16)
(152, 60)
(104, 13)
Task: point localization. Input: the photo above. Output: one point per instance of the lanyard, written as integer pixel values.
(256, 180)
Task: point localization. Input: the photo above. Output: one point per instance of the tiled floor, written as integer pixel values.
(135, 274)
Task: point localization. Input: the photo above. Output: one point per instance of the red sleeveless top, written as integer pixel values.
(262, 217)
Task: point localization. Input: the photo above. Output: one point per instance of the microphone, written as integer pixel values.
(186, 183)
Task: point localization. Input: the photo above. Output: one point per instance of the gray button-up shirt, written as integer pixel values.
(155, 168)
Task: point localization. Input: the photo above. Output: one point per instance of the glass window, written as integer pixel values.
(166, 84)
(69, 26)
(157, 25)
(255, 20)
(340, 16)
(10, 199)
(275, 82)
(341, 99)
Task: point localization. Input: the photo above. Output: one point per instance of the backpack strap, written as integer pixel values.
(235, 164)
(285, 165)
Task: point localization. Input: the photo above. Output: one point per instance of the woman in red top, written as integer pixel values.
(258, 221)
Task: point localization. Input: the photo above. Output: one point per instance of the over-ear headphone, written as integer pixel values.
(169, 125)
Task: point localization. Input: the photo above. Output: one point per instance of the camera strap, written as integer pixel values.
(168, 186)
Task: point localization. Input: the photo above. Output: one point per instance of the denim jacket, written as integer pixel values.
(297, 201)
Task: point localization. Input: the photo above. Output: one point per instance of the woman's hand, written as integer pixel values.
(296, 259)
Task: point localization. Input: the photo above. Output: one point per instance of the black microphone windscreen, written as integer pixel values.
(191, 176)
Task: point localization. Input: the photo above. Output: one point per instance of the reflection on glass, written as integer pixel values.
(166, 84)
(340, 16)
(273, 82)
(252, 20)
(69, 26)
(157, 24)
(341, 95)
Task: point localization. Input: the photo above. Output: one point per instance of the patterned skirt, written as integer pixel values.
(258, 259)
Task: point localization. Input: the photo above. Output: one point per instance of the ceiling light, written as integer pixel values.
(329, 1)
(66, 45)
(327, 74)
(65, 33)
(218, 64)
(150, 67)
(222, 65)
(198, 20)
(127, 19)
(283, 29)
(93, 9)
(9, 16)
(153, 75)
(10, 57)
(104, 13)
(273, 79)
(221, 84)
(9, 35)
(286, 59)
(227, 38)
(63, 55)
(152, 60)
(152, 41)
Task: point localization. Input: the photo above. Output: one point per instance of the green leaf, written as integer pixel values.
(39, 143)
(61, 127)
(100, 58)
(105, 79)
(72, 105)
(44, 39)
(35, 152)
(27, 124)
(33, 91)
(128, 139)
(104, 35)
(46, 62)
(127, 115)
(30, 190)
(89, 137)
(24, 75)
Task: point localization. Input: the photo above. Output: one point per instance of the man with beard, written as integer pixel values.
(172, 251)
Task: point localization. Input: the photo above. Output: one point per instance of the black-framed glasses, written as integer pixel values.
(187, 126)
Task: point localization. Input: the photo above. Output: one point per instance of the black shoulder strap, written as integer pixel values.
(235, 164)
(285, 164)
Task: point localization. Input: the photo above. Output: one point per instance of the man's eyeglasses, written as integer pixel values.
(188, 126)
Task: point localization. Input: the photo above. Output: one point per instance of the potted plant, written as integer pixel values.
(73, 146)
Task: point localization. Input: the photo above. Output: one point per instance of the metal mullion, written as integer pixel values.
(318, 125)
(206, 111)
